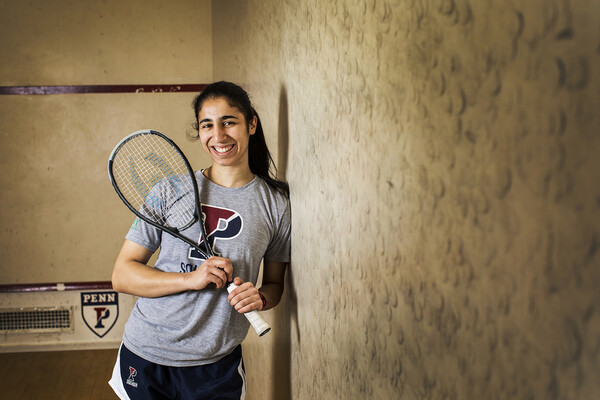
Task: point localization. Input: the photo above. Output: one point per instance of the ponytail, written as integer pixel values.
(260, 160)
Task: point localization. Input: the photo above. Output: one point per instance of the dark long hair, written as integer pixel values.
(259, 158)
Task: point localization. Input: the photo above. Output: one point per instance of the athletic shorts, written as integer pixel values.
(137, 379)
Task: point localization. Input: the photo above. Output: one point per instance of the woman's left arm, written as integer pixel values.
(273, 283)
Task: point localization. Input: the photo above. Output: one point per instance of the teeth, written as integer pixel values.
(223, 149)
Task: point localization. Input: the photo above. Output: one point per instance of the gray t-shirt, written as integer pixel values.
(244, 224)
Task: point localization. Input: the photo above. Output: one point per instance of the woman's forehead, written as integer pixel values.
(217, 107)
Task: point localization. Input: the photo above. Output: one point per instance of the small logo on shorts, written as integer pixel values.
(132, 375)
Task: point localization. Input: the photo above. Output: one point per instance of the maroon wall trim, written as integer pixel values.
(50, 287)
(79, 89)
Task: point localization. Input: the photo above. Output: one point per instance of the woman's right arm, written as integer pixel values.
(132, 275)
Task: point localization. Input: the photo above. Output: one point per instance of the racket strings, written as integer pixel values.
(154, 179)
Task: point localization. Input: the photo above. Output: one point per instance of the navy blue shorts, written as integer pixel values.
(137, 379)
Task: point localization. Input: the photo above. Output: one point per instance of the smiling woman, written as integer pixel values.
(183, 317)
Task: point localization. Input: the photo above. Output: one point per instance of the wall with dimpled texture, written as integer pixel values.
(443, 160)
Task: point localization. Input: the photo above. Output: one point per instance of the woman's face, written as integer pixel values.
(224, 133)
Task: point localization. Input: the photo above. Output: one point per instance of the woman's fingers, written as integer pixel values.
(224, 264)
(244, 297)
(216, 270)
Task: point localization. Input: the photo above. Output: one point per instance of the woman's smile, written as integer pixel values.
(223, 149)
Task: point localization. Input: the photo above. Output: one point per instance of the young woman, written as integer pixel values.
(183, 338)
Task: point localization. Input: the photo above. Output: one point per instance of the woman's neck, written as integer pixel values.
(226, 177)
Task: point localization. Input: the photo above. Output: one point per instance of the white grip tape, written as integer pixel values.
(258, 323)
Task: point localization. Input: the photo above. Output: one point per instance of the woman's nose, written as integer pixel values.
(219, 134)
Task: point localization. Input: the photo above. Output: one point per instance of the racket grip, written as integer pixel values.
(258, 323)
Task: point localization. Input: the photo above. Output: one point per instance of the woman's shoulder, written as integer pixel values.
(271, 191)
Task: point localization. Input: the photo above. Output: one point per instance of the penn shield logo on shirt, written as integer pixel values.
(221, 224)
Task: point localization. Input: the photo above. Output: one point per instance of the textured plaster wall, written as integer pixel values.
(443, 160)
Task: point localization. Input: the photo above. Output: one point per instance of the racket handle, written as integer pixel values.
(258, 323)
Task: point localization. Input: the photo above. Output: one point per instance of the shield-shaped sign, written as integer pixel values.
(100, 311)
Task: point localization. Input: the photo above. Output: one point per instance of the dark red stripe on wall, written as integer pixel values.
(80, 89)
(52, 287)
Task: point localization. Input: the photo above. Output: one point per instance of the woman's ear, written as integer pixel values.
(252, 126)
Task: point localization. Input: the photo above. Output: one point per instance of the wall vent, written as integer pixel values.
(36, 320)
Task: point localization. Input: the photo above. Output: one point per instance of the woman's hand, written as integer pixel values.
(245, 297)
(217, 270)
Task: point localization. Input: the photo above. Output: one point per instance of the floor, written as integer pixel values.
(64, 375)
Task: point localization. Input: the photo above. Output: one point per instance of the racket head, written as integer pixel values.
(154, 179)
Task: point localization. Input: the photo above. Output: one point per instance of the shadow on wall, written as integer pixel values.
(288, 314)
